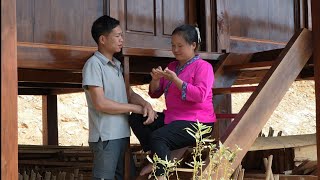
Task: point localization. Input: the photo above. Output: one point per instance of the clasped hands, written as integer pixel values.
(158, 73)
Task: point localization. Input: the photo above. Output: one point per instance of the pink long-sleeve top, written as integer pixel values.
(194, 101)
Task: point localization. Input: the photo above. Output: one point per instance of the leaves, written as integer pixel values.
(221, 158)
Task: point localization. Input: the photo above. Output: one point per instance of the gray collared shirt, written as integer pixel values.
(99, 71)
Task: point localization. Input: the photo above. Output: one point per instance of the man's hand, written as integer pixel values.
(150, 113)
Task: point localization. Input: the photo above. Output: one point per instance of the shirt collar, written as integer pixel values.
(179, 69)
(104, 60)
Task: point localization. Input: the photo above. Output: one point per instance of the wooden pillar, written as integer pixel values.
(9, 91)
(49, 120)
(126, 73)
(315, 10)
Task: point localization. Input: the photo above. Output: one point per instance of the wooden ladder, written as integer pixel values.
(248, 123)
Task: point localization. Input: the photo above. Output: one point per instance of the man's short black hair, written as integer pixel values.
(103, 25)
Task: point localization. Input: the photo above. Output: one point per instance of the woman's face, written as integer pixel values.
(181, 49)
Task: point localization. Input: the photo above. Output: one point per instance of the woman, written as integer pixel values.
(187, 84)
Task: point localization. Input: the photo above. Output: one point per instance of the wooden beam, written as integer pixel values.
(249, 66)
(315, 10)
(52, 56)
(281, 177)
(165, 53)
(9, 91)
(230, 90)
(33, 91)
(48, 76)
(244, 129)
(48, 85)
(282, 142)
(250, 45)
(50, 120)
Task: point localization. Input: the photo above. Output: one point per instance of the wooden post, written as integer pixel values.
(126, 65)
(49, 120)
(315, 10)
(9, 91)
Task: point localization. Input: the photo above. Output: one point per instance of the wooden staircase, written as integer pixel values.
(283, 71)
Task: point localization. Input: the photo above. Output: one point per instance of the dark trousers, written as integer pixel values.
(160, 138)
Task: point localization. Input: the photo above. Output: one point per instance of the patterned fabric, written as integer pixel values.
(179, 70)
(184, 91)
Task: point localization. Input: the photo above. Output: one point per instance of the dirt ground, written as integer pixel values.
(294, 115)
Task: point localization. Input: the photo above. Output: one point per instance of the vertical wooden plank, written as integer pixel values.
(208, 26)
(126, 65)
(309, 15)
(49, 120)
(159, 19)
(302, 13)
(223, 30)
(140, 17)
(114, 9)
(174, 14)
(192, 15)
(92, 10)
(315, 10)
(25, 20)
(9, 91)
(214, 42)
(126, 73)
(296, 12)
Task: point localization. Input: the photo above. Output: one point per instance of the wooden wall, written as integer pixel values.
(149, 24)
(59, 21)
(261, 24)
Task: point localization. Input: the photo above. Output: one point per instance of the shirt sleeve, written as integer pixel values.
(157, 93)
(199, 89)
(91, 75)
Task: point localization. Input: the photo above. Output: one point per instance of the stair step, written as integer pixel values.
(226, 116)
(229, 90)
(253, 66)
(189, 170)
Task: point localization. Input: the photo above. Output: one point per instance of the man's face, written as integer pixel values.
(113, 42)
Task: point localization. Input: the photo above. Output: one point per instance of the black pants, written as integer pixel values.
(160, 138)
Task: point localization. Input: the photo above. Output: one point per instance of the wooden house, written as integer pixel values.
(45, 43)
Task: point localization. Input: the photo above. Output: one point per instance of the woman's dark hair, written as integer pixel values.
(103, 25)
(189, 33)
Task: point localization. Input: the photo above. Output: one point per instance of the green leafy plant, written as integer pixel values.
(221, 158)
(169, 166)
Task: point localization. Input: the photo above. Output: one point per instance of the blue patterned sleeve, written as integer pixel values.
(184, 91)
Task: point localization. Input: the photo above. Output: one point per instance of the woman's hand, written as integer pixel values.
(169, 75)
(156, 73)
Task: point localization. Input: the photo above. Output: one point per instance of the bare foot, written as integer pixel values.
(146, 170)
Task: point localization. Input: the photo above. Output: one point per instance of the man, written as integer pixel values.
(108, 103)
